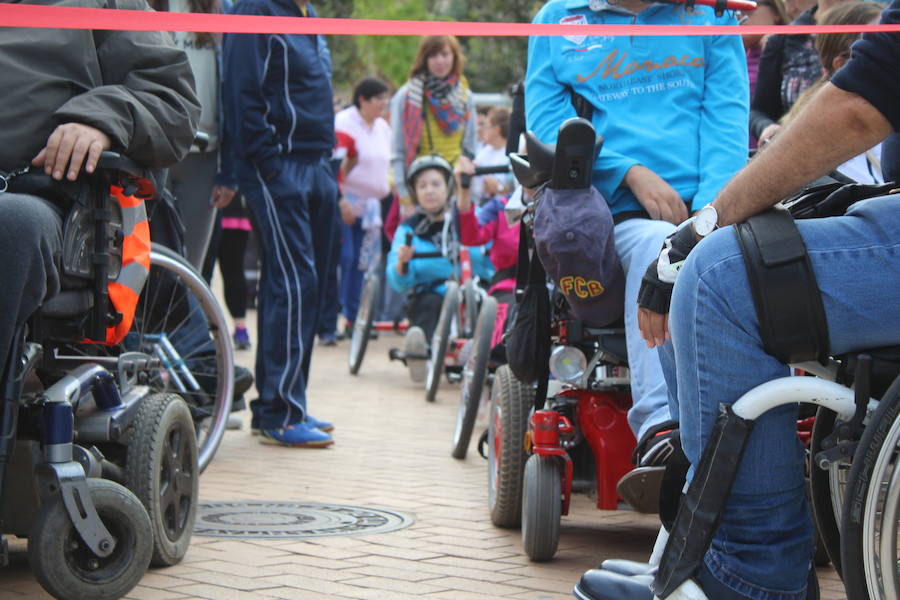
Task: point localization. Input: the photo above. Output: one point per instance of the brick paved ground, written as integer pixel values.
(392, 451)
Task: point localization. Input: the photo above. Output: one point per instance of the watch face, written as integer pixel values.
(706, 220)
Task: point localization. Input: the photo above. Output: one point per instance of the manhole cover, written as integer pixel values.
(293, 519)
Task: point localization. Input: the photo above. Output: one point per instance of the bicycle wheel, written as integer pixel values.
(869, 536)
(440, 340)
(474, 377)
(470, 309)
(179, 321)
(362, 327)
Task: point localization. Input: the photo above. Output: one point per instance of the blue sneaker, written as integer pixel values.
(241, 339)
(319, 424)
(298, 435)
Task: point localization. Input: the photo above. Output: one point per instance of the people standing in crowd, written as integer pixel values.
(766, 14)
(204, 180)
(788, 65)
(364, 183)
(493, 153)
(433, 112)
(674, 132)
(278, 101)
(834, 52)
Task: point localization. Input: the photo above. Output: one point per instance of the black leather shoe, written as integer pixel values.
(628, 567)
(598, 584)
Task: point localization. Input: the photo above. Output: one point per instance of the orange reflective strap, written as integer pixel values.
(125, 290)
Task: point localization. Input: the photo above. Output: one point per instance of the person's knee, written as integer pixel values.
(30, 218)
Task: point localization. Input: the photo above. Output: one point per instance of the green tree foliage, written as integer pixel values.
(492, 62)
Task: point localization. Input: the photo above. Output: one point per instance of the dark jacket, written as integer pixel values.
(277, 91)
(789, 64)
(135, 86)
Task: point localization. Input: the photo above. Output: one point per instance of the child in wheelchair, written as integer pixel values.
(424, 255)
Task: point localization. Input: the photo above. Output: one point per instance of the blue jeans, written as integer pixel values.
(638, 242)
(295, 214)
(351, 276)
(763, 546)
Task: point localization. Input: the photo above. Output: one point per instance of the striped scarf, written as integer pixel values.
(448, 98)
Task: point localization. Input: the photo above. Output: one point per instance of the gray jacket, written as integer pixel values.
(134, 86)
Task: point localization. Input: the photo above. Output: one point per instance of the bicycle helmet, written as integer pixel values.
(423, 163)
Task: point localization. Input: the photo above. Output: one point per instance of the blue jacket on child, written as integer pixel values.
(428, 274)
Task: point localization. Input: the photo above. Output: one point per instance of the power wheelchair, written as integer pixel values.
(98, 457)
(567, 430)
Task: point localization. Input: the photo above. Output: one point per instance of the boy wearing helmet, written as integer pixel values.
(431, 229)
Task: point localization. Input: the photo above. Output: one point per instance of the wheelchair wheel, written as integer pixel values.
(511, 401)
(362, 327)
(179, 320)
(827, 490)
(541, 507)
(870, 553)
(161, 470)
(67, 569)
(474, 377)
(470, 310)
(440, 340)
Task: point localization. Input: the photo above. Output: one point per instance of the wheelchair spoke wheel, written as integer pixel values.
(511, 401)
(67, 568)
(179, 321)
(475, 372)
(869, 549)
(161, 469)
(541, 507)
(362, 327)
(440, 340)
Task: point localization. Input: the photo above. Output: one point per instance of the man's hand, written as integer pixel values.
(766, 135)
(221, 196)
(66, 150)
(657, 197)
(464, 166)
(655, 294)
(347, 214)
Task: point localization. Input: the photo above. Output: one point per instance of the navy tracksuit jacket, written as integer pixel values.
(279, 112)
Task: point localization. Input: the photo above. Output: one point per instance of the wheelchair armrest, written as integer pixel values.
(129, 173)
(113, 161)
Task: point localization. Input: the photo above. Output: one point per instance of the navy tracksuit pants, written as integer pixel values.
(295, 213)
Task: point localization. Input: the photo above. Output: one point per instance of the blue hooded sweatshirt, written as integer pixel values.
(676, 105)
(277, 90)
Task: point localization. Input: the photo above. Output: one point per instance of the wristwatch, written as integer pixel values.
(705, 221)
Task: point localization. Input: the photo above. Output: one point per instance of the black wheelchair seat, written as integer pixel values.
(885, 367)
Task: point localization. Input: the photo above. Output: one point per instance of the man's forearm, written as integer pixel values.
(834, 127)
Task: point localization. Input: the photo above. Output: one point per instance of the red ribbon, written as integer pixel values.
(67, 17)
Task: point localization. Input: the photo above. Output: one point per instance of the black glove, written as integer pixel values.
(656, 286)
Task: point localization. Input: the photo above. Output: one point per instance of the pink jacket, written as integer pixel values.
(504, 252)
